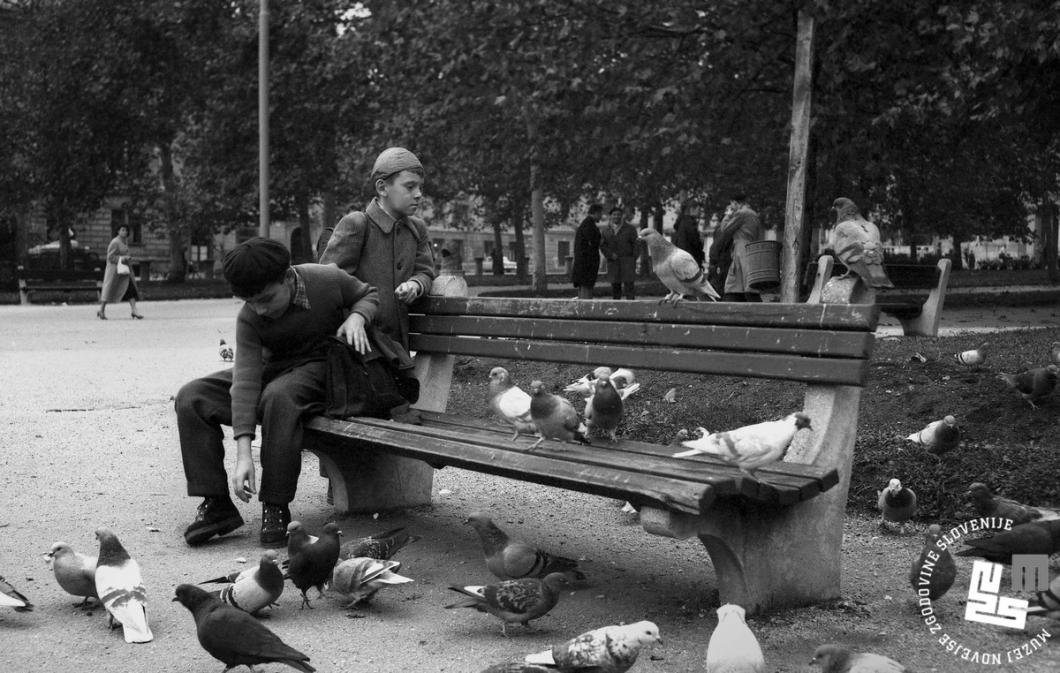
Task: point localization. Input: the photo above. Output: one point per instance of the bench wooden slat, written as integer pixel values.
(855, 317)
(759, 339)
(680, 495)
(786, 367)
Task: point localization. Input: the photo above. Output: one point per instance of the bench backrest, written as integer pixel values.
(821, 344)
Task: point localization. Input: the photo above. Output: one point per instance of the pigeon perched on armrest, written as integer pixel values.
(857, 244)
(676, 269)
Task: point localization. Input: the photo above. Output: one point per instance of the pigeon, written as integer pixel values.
(11, 598)
(75, 572)
(587, 384)
(554, 417)
(750, 447)
(985, 503)
(857, 245)
(311, 565)
(1054, 353)
(226, 352)
(252, 589)
(1046, 603)
(670, 396)
(938, 437)
(297, 537)
(972, 358)
(380, 546)
(514, 601)
(358, 578)
(120, 587)
(733, 648)
(838, 659)
(519, 667)
(1032, 384)
(511, 559)
(233, 637)
(1036, 537)
(609, 649)
(510, 402)
(934, 569)
(897, 504)
(604, 409)
(677, 269)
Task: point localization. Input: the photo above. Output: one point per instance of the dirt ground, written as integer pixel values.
(89, 440)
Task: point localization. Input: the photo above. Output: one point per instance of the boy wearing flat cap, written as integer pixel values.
(386, 245)
(278, 379)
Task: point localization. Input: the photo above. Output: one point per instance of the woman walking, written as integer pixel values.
(118, 282)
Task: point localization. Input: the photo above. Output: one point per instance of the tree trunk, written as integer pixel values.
(498, 247)
(539, 283)
(518, 217)
(306, 253)
(1047, 224)
(175, 229)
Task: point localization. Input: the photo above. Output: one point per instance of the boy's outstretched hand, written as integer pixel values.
(352, 331)
(407, 292)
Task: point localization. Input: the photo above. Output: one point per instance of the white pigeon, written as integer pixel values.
(357, 579)
(752, 446)
(510, 402)
(10, 597)
(973, 357)
(121, 588)
(624, 381)
(733, 648)
(226, 352)
(609, 649)
(677, 269)
(75, 572)
(857, 244)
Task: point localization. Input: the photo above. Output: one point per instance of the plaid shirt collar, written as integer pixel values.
(293, 280)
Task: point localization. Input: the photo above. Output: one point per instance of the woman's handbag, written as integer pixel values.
(365, 385)
(122, 268)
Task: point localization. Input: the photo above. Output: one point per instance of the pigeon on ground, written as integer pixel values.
(856, 242)
(381, 546)
(838, 659)
(1054, 353)
(677, 269)
(233, 637)
(120, 587)
(972, 358)
(11, 598)
(670, 396)
(1046, 603)
(510, 402)
(519, 667)
(934, 568)
(75, 572)
(733, 648)
(252, 589)
(1036, 537)
(752, 446)
(1033, 385)
(554, 417)
(511, 559)
(514, 601)
(985, 503)
(226, 352)
(311, 565)
(604, 410)
(297, 537)
(609, 649)
(939, 436)
(897, 504)
(357, 579)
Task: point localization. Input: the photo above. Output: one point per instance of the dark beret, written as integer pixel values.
(253, 264)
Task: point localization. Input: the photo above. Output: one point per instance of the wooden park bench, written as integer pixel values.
(916, 300)
(55, 280)
(773, 543)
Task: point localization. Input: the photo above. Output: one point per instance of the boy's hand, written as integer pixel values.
(352, 331)
(243, 479)
(408, 291)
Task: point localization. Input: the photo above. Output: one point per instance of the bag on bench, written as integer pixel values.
(366, 385)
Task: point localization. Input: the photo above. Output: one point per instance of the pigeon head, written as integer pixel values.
(332, 529)
(269, 556)
(979, 492)
(499, 374)
(477, 519)
(644, 633)
(845, 209)
(801, 420)
(731, 611)
(831, 657)
(602, 383)
(894, 486)
(191, 596)
(649, 234)
(933, 532)
(294, 526)
(58, 549)
(602, 371)
(557, 581)
(110, 550)
(537, 388)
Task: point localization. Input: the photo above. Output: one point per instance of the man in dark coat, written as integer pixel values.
(587, 253)
(686, 234)
(620, 245)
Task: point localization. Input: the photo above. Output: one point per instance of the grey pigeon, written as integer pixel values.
(311, 565)
(939, 436)
(510, 402)
(297, 537)
(985, 503)
(252, 589)
(1033, 385)
(733, 648)
(676, 269)
(358, 579)
(380, 546)
(857, 244)
(1036, 537)
(511, 559)
(11, 598)
(233, 637)
(838, 659)
(897, 504)
(75, 572)
(973, 357)
(514, 601)
(609, 649)
(226, 352)
(120, 587)
(752, 446)
(1046, 603)
(934, 569)
(554, 417)
(519, 667)
(604, 409)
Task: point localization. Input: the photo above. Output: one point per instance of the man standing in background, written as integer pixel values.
(619, 244)
(586, 264)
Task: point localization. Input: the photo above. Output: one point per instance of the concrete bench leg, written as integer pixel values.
(368, 481)
(927, 323)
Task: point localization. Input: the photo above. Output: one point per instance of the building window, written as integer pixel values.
(122, 217)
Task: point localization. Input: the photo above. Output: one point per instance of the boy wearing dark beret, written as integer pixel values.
(277, 380)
